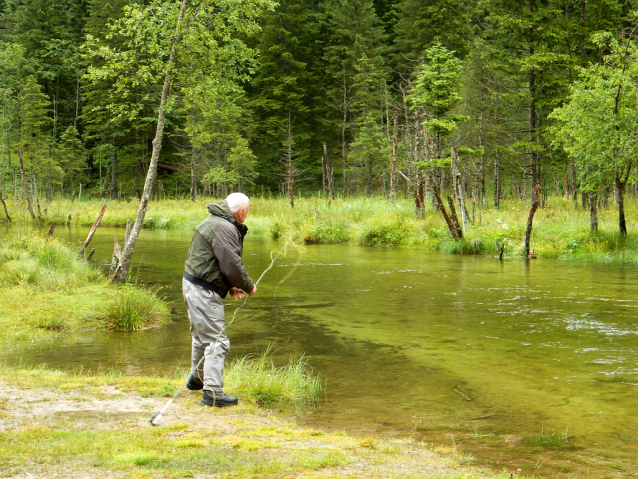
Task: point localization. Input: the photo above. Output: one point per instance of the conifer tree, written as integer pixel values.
(421, 23)
(282, 87)
(355, 84)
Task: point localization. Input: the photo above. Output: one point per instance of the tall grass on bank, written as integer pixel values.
(561, 231)
(44, 264)
(45, 289)
(289, 387)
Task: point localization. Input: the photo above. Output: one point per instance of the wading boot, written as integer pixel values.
(194, 383)
(219, 399)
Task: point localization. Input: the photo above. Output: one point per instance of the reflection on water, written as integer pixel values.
(411, 342)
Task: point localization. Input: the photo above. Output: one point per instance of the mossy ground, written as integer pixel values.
(58, 424)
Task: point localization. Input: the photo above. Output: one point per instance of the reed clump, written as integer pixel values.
(42, 263)
(133, 308)
(293, 386)
(45, 289)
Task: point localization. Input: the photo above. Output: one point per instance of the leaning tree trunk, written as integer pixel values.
(129, 248)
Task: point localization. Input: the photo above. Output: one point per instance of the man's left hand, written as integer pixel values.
(236, 293)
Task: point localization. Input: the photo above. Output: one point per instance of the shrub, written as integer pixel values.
(384, 233)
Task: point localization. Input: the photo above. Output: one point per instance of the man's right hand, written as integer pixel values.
(253, 291)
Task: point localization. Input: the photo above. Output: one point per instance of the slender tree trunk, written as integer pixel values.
(574, 185)
(458, 188)
(393, 164)
(289, 181)
(593, 212)
(530, 220)
(113, 170)
(193, 178)
(344, 125)
(25, 192)
(324, 170)
(129, 248)
(620, 190)
(497, 179)
(6, 211)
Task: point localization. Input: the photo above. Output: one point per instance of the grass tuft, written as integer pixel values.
(290, 387)
(133, 308)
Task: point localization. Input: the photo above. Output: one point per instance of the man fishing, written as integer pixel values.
(214, 268)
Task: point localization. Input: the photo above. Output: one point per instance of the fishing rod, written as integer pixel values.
(155, 420)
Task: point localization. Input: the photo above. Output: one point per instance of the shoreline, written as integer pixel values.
(97, 426)
(560, 231)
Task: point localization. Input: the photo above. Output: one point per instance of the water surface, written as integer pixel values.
(410, 343)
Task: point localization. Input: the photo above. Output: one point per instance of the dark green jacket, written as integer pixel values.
(215, 254)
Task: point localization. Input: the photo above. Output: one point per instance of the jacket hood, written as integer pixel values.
(223, 211)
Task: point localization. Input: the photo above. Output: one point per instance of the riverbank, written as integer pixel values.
(47, 293)
(560, 230)
(57, 424)
(96, 423)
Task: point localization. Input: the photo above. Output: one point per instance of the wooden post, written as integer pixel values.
(90, 236)
(530, 220)
(116, 262)
(51, 230)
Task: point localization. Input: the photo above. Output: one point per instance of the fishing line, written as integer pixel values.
(258, 336)
(155, 420)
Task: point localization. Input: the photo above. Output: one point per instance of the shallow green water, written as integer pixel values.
(416, 343)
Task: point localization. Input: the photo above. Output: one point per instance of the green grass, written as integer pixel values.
(47, 292)
(193, 440)
(292, 386)
(132, 308)
(560, 231)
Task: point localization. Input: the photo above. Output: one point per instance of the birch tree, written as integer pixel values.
(185, 44)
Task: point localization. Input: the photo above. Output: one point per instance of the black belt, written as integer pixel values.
(201, 282)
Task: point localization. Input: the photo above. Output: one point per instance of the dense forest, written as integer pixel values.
(340, 97)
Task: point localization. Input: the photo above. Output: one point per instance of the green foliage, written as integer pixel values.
(384, 232)
(421, 24)
(598, 126)
(330, 233)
